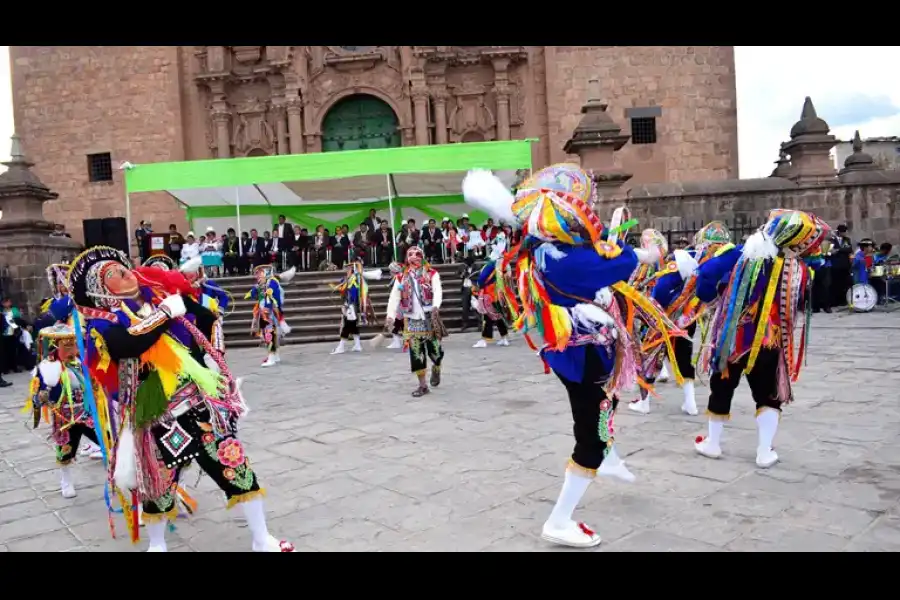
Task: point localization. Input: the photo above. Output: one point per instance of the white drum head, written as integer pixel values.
(862, 297)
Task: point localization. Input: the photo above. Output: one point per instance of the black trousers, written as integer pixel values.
(466, 306)
(684, 351)
(398, 327)
(762, 381)
(822, 289)
(841, 281)
(9, 353)
(422, 349)
(231, 264)
(349, 328)
(487, 328)
(592, 413)
(67, 442)
(190, 438)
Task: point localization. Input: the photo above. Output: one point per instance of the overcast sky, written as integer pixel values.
(851, 87)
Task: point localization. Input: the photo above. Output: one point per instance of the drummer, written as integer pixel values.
(884, 254)
(885, 271)
(863, 260)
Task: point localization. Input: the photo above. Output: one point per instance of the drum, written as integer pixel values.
(878, 271)
(892, 270)
(862, 297)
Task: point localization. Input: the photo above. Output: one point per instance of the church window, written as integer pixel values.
(100, 167)
(643, 130)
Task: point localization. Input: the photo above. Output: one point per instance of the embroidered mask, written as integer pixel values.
(415, 256)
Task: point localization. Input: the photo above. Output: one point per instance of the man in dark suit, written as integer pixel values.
(384, 244)
(431, 240)
(372, 221)
(256, 249)
(284, 231)
(362, 241)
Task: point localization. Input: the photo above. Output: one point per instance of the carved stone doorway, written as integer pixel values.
(360, 122)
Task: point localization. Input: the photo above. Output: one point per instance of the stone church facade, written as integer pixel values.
(82, 110)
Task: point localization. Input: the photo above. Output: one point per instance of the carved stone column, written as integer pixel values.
(501, 89)
(440, 117)
(420, 108)
(223, 135)
(295, 125)
(281, 130)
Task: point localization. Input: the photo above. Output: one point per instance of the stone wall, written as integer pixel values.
(24, 256)
(869, 209)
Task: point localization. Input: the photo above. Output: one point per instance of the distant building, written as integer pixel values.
(885, 151)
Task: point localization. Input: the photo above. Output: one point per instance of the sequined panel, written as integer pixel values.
(176, 440)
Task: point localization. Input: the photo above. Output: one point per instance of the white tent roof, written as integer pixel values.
(352, 189)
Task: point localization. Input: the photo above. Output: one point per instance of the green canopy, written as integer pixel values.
(329, 187)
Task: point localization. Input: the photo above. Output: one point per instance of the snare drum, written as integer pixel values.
(862, 297)
(878, 271)
(892, 270)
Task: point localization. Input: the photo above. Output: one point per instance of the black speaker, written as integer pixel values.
(93, 232)
(115, 233)
(112, 231)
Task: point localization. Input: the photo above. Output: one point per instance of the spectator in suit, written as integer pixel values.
(255, 249)
(231, 249)
(284, 232)
(142, 236)
(176, 241)
(372, 221)
(341, 249)
(362, 241)
(244, 259)
(383, 241)
(431, 240)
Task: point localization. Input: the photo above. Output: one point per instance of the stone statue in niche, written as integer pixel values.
(470, 113)
(252, 128)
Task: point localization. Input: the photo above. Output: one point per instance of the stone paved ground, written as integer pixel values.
(353, 463)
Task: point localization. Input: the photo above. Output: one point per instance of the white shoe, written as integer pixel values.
(663, 375)
(396, 343)
(68, 490)
(573, 535)
(614, 468)
(97, 454)
(357, 347)
(766, 458)
(339, 350)
(706, 448)
(689, 406)
(480, 344)
(640, 406)
(269, 362)
(277, 359)
(87, 449)
(274, 545)
(503, 342)
(157, 549)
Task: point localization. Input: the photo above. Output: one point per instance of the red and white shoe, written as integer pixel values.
(640, 406)
(705, 447)
(573, 535)
(273, 544)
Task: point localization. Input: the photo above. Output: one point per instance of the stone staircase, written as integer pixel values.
(313, 310)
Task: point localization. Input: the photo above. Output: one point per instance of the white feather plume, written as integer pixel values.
(125, 474)
(760, 246)
(284, 327)
(603, 297)
(686, 263)
(242, 403)
(590, 317)
(648, 256)
(373, 274)
(484, 191)
(51, 371)
(192, 265)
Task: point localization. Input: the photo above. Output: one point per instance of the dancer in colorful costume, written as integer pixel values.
(644, 277)
(674, 289)
(145, 348)
(57, 391)
(417, 295)
(59, 306)
(765, 290)
(488, 304)
(356, 307)
(575, 300)
(268, 313)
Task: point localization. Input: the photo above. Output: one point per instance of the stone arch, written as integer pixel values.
(256, 152)
(471, 136)
(359, 90)
(360, 122)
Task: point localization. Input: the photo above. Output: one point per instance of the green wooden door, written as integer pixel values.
(360, 123)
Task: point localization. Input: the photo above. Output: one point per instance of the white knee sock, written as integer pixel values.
(156, 531)
(715, 431)
(255, 514)
(573, 490)
(767, 424)
(65, 476)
